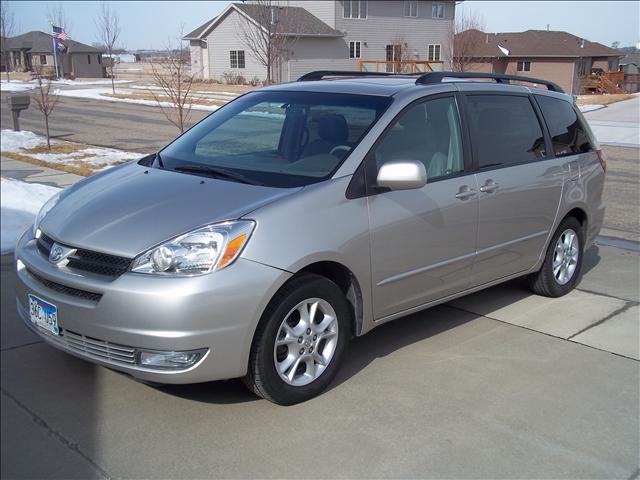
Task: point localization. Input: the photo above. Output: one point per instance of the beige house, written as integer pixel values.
(557, 56)
(324, 35)
(34, 50)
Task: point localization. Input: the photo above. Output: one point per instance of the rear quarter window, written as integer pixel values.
(568, 134)
(505, 130)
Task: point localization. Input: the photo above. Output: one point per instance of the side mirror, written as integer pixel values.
(402, 175)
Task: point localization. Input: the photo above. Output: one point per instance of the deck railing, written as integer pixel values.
(400, 66)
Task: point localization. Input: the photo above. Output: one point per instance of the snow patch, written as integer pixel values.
(86, 82)
(93, 157)
(20, 202)
(14, 86)
(14, 141)
(99, 94)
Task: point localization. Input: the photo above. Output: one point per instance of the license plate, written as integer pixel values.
(44, 314)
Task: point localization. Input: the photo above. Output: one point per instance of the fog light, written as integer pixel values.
(170, 360)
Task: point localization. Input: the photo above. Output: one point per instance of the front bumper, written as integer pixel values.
(218, 312)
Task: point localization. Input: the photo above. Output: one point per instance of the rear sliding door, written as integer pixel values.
(520, 183)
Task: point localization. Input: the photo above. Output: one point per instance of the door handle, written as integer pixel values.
(465, 192)
(574, 170)
(489, 187)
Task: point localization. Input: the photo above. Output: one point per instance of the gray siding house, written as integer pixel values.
(34, 51)
(326, 34)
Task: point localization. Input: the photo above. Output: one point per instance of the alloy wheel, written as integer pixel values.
(306, 341)
(565, 256)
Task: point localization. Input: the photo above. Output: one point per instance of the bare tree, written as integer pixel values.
(45, 99)
(401, 54)
(7, 26)
(57, 16)
(174, 76)
(108, 27)
(271, 39)
(464, 36)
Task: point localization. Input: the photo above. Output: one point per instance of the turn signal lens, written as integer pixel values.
(232, 250)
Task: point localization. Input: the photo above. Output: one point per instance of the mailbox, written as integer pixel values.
(17, 103)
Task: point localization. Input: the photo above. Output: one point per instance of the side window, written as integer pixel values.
(504, 130)
(428, 132)
(568, 135)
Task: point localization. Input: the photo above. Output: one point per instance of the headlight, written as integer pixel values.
(204, 250)
(49, 204)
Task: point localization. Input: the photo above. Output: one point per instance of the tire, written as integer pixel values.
(550, 283)
(268, 375)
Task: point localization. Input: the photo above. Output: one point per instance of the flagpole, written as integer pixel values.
(55, 53)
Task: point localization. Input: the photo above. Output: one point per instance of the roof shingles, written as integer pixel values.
(537, 43)
(40, 42)
(294, 21)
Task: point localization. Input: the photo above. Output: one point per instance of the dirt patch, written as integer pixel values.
(603, 99)
(66, 147)
(82, 170)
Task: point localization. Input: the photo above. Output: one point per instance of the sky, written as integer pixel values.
(151, 24)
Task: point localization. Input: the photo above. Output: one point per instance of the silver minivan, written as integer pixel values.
(259, 242)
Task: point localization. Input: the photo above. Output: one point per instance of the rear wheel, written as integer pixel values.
(300, 341)
(562, 265)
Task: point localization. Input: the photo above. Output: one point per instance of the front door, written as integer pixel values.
(520, 184)
(423, 240)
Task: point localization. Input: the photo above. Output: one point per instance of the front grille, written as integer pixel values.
(98, 348)
(74, 292)
(88, 260)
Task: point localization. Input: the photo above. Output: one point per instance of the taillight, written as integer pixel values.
(602, 159)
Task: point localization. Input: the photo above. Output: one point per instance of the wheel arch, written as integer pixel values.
(346, 280)
(579, 214)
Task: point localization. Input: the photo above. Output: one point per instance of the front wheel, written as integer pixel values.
(300, 341)
(562, 265)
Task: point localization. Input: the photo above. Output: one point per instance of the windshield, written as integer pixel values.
(278, 139)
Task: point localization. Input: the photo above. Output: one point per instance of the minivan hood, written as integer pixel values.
(129, 209)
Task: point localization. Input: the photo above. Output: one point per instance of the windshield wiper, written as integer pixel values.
(215, 172)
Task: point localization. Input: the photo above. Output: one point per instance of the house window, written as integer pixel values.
(354, 49)
(410, 8)
(524, 66)
(354, 8)
(43, 59)
(434, 53)
(99, 59)
(437, 10)
(236, 58)
(89, 59)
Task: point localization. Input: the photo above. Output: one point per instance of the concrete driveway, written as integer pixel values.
(502, 384)
(618, 123)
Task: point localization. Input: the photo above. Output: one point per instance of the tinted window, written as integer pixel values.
(505, 130)
(428, 132)
(282, 139)
(568, 135)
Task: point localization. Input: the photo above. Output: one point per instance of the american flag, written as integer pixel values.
(59, 33)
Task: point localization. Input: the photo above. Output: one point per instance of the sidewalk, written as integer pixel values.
(31, 173)
(617, 124)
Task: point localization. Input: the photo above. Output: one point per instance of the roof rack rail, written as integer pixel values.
(320, 74)
(437, 77)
